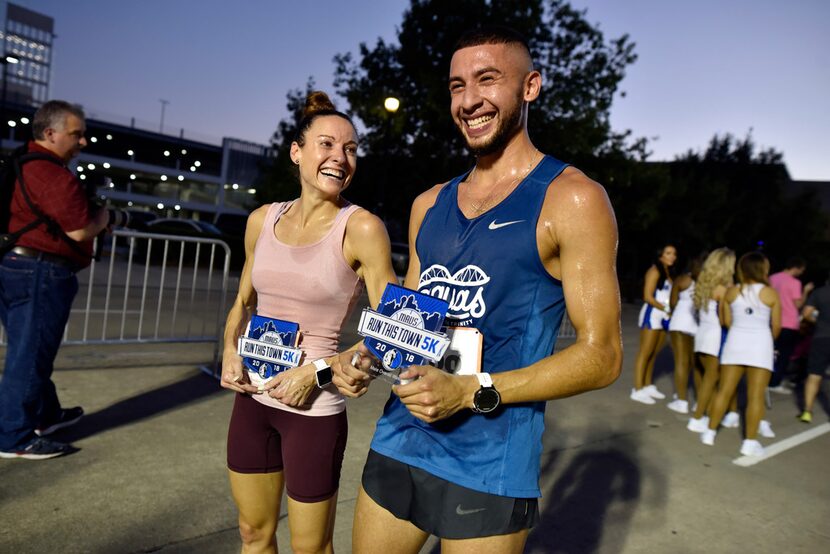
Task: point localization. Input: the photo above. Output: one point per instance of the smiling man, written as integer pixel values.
(508, 244)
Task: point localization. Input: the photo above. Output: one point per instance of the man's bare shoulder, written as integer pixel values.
(426, 199)
(576, 213)
(573, 189)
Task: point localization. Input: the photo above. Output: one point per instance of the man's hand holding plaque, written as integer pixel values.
(403, 331)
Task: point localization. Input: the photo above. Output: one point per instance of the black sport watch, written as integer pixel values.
(487, 398)
(323, 373)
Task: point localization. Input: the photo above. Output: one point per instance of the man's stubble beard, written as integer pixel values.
(508, 126)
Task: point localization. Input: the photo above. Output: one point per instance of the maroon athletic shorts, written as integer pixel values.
(307, 449)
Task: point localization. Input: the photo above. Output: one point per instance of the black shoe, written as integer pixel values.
(39, 449)
(67, 417)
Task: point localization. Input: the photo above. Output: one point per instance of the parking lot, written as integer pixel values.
(618, 476)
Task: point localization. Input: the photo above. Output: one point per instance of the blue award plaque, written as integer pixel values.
(404, 331)
(269, 347)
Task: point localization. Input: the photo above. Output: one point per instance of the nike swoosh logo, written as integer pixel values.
(493, 225)
(462, 512)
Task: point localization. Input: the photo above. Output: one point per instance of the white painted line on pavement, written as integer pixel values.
(781, 446)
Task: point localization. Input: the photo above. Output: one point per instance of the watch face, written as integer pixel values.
(486, 399)
(324, 377)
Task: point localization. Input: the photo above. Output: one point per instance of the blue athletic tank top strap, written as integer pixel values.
(489, 270)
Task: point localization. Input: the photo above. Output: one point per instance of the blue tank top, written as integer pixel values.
(489, 270)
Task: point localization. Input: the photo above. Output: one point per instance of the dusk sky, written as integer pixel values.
(704, 67)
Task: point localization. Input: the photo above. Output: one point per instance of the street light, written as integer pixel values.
(6, 60)
(391, 104)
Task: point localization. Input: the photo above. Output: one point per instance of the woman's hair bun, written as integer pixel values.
(317, 101)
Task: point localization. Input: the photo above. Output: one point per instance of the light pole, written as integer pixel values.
(163, 105)
(391, 105)
(6, 60)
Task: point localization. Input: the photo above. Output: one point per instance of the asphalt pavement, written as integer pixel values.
(618, 476)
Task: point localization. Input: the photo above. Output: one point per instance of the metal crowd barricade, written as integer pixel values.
(135, 295)
(152, 288)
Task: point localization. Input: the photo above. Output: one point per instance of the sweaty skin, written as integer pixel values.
(491, 86)
(575, 208)
(330, 150)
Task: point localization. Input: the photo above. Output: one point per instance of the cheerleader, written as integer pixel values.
(653, 322)
(712, 283)
(752, 313)
(682, 328)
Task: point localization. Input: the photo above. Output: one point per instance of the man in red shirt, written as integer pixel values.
(38, 283)
(792, 296)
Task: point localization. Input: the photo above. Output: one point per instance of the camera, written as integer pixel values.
(118, 218)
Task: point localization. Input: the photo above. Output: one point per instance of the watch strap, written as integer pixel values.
(484, 379)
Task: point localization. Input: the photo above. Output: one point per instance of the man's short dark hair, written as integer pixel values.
(491, 34)
(795, 262)
(52, 115)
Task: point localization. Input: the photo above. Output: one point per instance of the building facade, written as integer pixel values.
(168, 175)
(26, 36)
(123, 163)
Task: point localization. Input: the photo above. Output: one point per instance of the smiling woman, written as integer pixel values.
(306, 263)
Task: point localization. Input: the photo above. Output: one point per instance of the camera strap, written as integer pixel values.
(52, 226)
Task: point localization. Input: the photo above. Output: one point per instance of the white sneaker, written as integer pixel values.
(780, 389)
(731, 420)
(698, 425)
(751, 448)
(708, 437)
(679, 406)
(641, 396)
(765, 429)
(652, 391)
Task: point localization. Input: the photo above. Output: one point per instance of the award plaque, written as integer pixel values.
(269, 347)
(463, 355)
(404, 331)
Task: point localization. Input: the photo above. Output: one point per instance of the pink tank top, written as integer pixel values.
(311, 285)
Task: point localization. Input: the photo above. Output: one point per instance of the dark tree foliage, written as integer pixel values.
(418, 146)
(730, 194)
(279, 180)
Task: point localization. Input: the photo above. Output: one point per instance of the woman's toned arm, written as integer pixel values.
(234, 376)
(650, 287)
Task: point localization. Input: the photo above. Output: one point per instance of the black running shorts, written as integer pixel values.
(441, 508)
